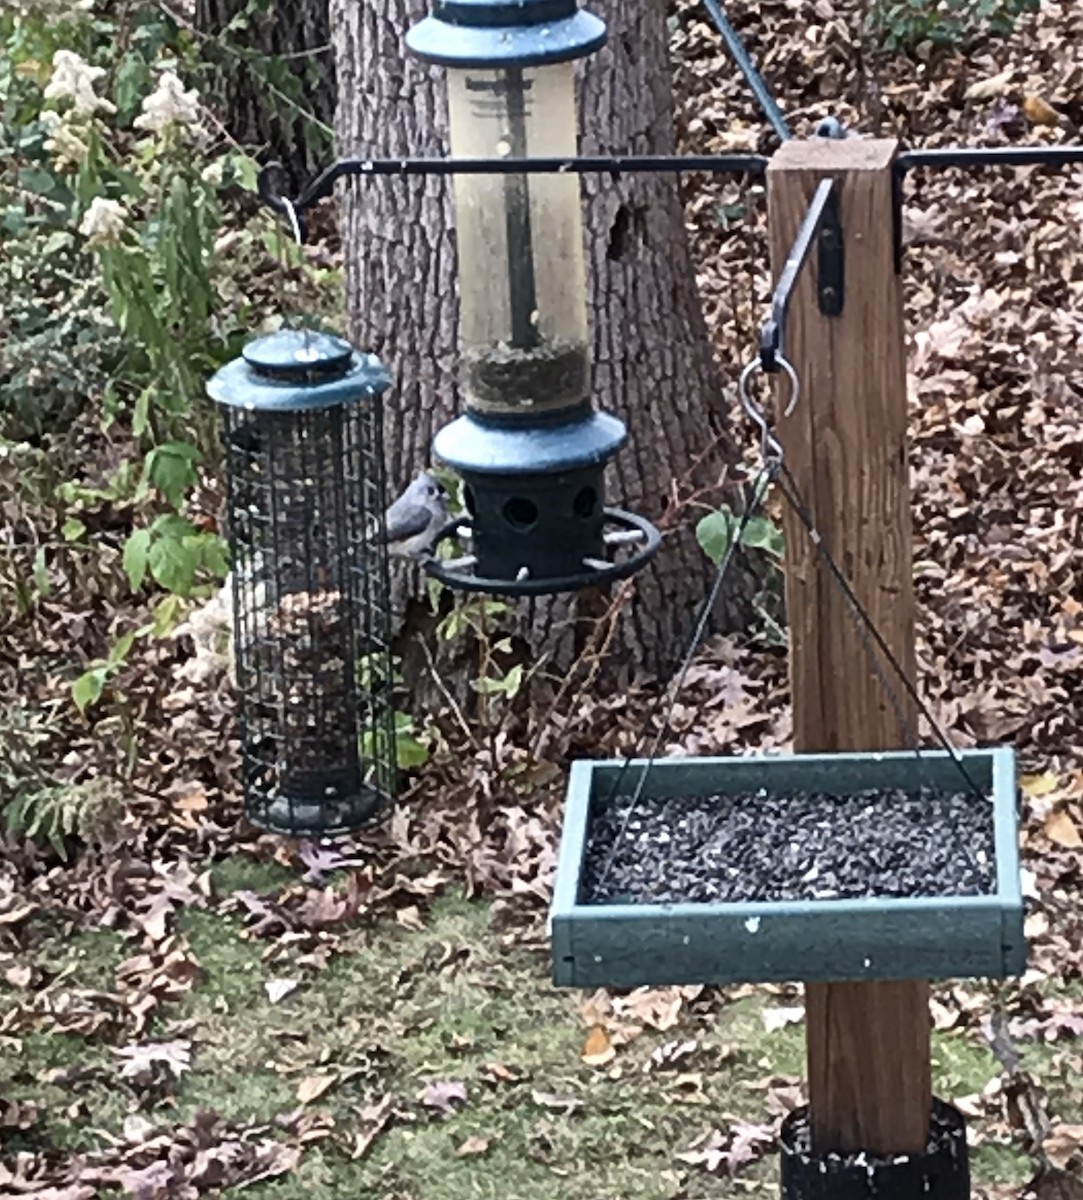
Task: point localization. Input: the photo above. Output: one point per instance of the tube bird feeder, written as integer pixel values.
(306, 496)
(530, 448)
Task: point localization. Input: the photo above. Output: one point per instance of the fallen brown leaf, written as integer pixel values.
(1062, 830)
(1040, 111)
(443, 1095)
(1063, 1144)
(598, 1048)
(312, 1087)
(474, 1147)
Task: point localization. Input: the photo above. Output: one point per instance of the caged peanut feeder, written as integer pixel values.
(812, 867)
(306, 496)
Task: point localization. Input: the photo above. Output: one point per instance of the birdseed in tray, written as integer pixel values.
(758, 846)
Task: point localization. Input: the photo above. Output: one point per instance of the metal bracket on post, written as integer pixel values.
(831, 276)
(823, 227)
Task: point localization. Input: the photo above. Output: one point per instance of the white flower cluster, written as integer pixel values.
(169, 104)
(51, 11)
(104, 222)
(73, 79)
(64, 142)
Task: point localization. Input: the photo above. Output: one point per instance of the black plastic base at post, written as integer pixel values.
(942, 1172)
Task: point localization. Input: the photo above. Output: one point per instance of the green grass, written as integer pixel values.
(406, 1008)
(239, 872)
(397, 1009)
(70, 1076)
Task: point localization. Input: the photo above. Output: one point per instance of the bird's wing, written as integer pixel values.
(407, 523)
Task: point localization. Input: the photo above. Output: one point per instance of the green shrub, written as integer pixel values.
(904, 25)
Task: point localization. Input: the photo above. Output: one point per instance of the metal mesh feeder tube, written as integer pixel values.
(306, 496)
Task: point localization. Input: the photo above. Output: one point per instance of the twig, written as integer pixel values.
(446, 693)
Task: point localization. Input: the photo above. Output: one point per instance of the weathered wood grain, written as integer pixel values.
(868, 1043)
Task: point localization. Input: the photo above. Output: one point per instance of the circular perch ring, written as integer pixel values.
(649, 541)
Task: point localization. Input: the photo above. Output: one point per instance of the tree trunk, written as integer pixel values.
(653, 366)
(273, 81)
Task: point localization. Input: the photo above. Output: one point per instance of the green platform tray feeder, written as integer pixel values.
(625, 943)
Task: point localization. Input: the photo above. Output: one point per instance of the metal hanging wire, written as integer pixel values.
(770, 446)
(291, 308)
(871, 638)
(774, 470)
(672, 687)
(756, 83)
(772, 460)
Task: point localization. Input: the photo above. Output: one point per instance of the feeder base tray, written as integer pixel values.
(650, 926)
(306, 818)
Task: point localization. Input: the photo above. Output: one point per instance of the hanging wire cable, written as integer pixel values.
(672, 688)
(871, 635)
(756, 82)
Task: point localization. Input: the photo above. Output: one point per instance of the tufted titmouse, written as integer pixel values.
(416, 517)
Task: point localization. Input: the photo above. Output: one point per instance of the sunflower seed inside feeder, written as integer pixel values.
(796, 846)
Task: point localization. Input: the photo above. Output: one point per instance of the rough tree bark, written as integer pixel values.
(281, 53)
(653, 366)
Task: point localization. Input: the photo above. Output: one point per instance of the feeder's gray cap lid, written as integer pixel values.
(469, 445)
(298, 355)
(505, 33)
(297, 369)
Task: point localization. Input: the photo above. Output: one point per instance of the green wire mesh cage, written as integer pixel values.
(306, 496)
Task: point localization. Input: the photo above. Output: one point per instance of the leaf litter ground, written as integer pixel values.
(186, 1006)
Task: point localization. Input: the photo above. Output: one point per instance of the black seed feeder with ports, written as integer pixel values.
(306, 495)
(530, 448)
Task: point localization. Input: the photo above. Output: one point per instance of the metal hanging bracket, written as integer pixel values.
(831, 275)
(821, 226)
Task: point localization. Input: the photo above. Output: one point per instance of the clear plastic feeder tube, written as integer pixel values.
(525, 336)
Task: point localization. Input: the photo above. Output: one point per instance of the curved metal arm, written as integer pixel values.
(821, 221)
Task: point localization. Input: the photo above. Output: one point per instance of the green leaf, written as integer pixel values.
(214, 554)
(72, 529)
(110, 407)
(245, 171)
(131, 83)
(59, 240)
(121, 648)
(761, 533)
(506, 685)
(454, 624)
(172, 469)
(136, 550)
(141, 413)
(87, 689)
(166, 614)
(37, 180)
(714, 534)
(409, 752)
(172, 525)
(173, 564)
(41, 572)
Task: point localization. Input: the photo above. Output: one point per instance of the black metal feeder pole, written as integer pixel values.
(306, 497)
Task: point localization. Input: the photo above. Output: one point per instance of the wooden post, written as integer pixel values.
(868, 1043)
